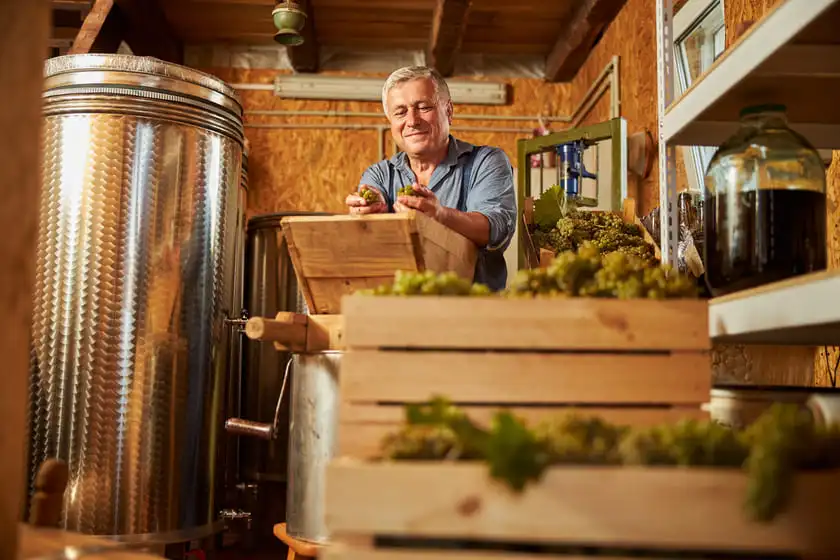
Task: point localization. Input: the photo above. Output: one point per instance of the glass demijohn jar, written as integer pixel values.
(765, 204)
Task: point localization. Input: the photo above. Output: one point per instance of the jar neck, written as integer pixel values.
(765, 119)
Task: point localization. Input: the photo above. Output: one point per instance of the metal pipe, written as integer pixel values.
(590, 103)
(615, 87)
(523, 118)
(339, 126)
(609, 71)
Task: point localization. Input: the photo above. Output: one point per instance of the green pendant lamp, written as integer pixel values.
(289, 19)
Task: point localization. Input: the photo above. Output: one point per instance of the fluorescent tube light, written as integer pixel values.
(370, 89)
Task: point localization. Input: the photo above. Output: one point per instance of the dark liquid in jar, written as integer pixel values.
(757, 237)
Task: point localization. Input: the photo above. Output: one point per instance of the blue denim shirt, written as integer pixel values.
(471, 179)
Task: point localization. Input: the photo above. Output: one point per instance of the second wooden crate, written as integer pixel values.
(633, 361)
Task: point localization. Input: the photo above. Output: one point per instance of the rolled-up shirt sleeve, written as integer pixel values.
(492, 194)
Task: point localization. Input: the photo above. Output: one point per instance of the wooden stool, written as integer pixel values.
(298, 550)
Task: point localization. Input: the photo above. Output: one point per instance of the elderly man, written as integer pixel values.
(467, 188)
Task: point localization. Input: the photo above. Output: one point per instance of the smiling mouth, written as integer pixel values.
(414, 134)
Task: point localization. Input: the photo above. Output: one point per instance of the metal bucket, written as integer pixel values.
(312, 442)
(135, 283)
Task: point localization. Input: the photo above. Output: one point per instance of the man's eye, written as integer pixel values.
(425, 108)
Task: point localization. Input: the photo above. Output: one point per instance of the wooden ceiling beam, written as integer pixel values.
(578, 37)
(306, 57)
(449, 22)
(101, 31)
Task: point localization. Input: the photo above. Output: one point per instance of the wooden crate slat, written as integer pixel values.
(532, 324)
(604, 506)
(363, 427)
(525, 378)
(340, 248)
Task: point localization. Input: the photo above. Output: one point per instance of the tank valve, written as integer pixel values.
(240, 322)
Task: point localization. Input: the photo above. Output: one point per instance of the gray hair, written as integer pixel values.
(413, 73)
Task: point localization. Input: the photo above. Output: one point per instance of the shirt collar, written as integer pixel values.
(457, 148)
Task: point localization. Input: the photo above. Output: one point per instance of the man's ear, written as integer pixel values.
(449, 111)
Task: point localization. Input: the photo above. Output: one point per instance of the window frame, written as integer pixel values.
(685, 21)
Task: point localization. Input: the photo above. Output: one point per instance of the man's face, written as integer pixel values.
(419, 123)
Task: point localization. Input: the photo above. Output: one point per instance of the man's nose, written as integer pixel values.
(412, 118)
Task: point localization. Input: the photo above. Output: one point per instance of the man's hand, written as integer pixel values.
(358, 205)
(423, 201)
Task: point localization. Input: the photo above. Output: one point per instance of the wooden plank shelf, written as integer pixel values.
(791, 56)
(663, 508)
(801, 310)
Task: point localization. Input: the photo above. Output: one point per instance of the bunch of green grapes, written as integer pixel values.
(421, 443)
(590, 273)
(574, 439)
(684, 443)
(607, 230)
(428, 283)
(407, 190)
(370, 194)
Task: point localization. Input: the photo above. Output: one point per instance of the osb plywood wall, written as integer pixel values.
(632, 36)
(314, 169)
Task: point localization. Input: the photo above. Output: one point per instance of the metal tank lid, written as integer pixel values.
(145, 66)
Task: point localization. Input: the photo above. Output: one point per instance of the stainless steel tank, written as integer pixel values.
(135, 280)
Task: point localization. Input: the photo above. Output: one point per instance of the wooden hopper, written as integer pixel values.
(337, 255)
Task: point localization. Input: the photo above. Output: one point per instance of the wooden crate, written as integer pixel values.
(337, 255)
(635, 362)
(617, 507)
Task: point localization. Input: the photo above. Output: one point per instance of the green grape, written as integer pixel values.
(427, 283)
(370, 195)
(407, 190)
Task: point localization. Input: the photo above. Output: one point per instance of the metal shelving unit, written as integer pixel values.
(791, 56)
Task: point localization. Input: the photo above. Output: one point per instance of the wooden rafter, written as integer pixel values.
(306, 57)
(101, 30)
(448, 25)
(578, 37)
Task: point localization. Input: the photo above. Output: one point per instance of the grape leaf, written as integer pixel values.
(514, 453)
(550, 207)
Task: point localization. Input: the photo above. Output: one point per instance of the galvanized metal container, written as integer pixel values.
(312, 442)
(136, 279)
